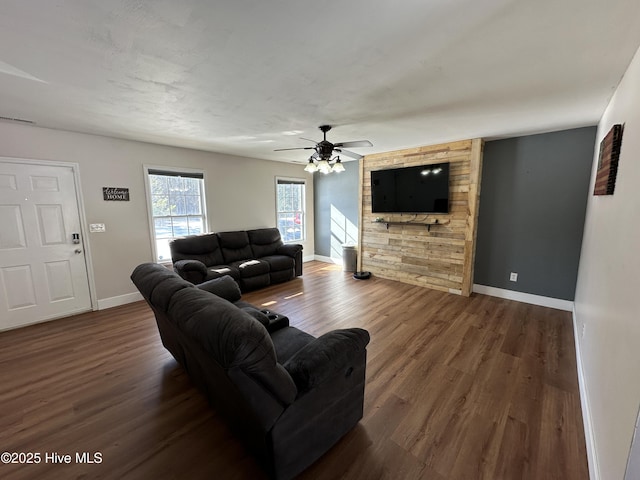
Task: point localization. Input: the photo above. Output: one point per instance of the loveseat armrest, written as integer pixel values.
(332, 354)
(293, 250)
(193, 271)
(289, 249)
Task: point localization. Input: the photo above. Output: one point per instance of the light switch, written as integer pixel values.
(96, 228)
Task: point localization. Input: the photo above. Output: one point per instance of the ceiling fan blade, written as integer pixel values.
(349, 154)
(358, 143)
(297, 148)
(308, 140)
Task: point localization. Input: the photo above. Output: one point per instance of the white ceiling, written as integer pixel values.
(247, 76)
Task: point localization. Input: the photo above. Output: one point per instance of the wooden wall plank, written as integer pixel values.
(472, 225)
(441, 257)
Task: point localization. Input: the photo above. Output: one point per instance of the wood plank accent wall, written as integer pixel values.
(442, 257)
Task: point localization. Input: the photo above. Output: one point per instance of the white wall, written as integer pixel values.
(240, 192)
(607, 302)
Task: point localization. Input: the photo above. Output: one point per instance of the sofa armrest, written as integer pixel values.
(289, 249)
(224, 287)
(334, 353)
(293, 250)
(193, 271)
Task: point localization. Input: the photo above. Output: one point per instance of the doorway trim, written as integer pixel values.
(75, 168)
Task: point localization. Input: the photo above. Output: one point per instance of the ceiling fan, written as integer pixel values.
(322, 159)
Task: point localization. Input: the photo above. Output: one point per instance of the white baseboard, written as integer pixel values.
(557, 303)
(119, 300)
(594, 472)
(322, 258)
(308, 258)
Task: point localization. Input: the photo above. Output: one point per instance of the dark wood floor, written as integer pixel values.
(457, 388)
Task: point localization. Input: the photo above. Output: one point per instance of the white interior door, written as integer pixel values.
(43, 273)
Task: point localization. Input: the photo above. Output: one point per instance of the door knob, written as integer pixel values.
(77, 250)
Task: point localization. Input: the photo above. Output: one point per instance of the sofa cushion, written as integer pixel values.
(157, 284)
(250, 267)
(288, 340)
(235, 246)
(224, 287)
(281, 276)
(219, 271)
(255, 282)
(147, 275)
(322, 358)
(205, 248)
(233, 338)
(264, 241)
(279, 262)
(161, 295)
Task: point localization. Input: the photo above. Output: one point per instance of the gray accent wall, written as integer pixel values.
(532, 209)
(335, 198)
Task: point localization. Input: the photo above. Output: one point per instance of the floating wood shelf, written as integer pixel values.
(426, 224)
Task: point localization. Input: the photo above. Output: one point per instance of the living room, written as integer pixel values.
(598, 293)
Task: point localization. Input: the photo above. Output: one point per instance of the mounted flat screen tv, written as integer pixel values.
(421, 189)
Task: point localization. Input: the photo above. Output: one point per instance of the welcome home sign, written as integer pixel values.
(115, 194)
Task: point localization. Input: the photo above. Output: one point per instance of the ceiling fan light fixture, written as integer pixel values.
(324, 167)
(338, 166)
(311, 166)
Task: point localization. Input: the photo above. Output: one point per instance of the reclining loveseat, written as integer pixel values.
(253, 258)
(289, 396)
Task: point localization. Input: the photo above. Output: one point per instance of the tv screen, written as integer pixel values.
(421, 189)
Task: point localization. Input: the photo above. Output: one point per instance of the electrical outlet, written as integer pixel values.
(513, 277)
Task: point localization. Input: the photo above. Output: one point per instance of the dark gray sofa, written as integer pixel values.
(289, 396)
(253, 258)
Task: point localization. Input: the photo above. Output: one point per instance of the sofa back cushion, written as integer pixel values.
(204, 248)
(235, 341)
(224, 287)
(264, 241)
(235, 246)
(157, 284)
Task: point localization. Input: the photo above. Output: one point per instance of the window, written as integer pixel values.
(290, 209)
(176, 205)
